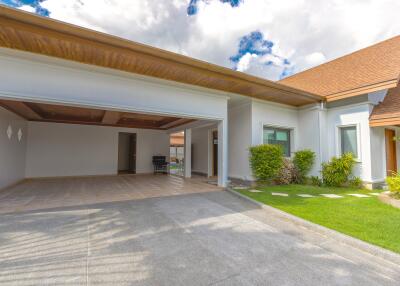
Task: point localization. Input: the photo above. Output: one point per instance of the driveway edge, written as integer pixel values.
(333, 234)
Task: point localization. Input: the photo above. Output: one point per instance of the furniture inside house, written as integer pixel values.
(160, 164)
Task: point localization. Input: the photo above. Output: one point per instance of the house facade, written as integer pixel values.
(68, 93)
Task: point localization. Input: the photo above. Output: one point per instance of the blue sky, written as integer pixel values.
(268, 38)
(192, 8)
(35, 4)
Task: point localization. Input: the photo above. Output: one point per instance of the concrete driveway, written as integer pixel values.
(208, 238)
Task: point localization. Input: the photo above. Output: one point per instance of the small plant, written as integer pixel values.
(303, 161)
(336, 172)
(356, 182)
(394, 184)
(286, 174)
(266, 161)
(316, 181)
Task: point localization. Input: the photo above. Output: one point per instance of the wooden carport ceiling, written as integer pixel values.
(27, 32)
(88, 116)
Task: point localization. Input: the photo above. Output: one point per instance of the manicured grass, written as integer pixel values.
(367, 219)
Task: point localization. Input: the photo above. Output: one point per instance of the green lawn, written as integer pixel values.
(365, 218)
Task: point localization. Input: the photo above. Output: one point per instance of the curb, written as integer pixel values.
(340, 237)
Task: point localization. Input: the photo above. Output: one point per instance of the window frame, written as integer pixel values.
(281, 128)
(339, 140)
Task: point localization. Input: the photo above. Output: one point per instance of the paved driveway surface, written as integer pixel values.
(210, 238)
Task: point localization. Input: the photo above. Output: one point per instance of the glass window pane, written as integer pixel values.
(348, 137)
(269, 136)
(279, 137)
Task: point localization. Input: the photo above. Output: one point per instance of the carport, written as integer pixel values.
(67, 94)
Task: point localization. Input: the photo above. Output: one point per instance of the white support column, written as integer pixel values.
(188, 153)
(210, 153)
(222, 153)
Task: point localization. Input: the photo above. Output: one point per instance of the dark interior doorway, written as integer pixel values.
(215, 152)
(127, 153)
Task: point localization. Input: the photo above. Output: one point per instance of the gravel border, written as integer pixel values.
(340, 237)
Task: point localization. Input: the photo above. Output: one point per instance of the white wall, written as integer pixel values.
(309, 134)
(12, 151)
(358, 115)
(239, 132)
(378, 154)
(73, 150)
(200, 145)
(274, 115)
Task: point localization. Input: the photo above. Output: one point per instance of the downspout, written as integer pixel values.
(320, 132)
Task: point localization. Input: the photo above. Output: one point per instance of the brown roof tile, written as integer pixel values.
(371, 66)
(388, 111)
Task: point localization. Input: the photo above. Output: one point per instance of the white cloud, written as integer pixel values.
(307, 32)
(315, 58)
(27, 8)
(244, 63)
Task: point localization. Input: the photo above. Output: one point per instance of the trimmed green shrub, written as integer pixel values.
(266, 161)
(303, 161)
(316, 181)
(356, 182)
(336, 172)
(287, 174)
(394, 184)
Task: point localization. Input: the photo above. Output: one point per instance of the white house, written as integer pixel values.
(71, 98)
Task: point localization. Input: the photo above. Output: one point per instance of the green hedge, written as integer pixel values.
(266, 161)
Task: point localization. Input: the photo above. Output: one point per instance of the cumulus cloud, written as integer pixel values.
(33, 6)
(304, 33)
(261, 57)
(27, 8)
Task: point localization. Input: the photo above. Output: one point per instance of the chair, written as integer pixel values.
(160, 164)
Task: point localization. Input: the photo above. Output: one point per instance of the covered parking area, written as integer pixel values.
(68, 95)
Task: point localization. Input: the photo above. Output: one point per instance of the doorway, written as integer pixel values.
(391, 156)
(215, 152)
(127, 153)
(176, 153)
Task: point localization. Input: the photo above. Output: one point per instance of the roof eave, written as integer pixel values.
(114, 41)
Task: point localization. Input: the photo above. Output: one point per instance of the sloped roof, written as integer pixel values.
(387, 112)
(28, 32)
(373, 68)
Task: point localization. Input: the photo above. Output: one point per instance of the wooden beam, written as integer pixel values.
(20, 108)
(179, 122)
(111, 117)
(168, 121)
(174, 123)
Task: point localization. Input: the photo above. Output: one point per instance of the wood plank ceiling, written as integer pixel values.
(27, 32)
(87, 116)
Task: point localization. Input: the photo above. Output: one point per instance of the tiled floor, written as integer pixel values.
(61, 192)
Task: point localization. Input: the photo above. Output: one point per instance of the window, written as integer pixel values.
(348, 140)
(279, 137)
